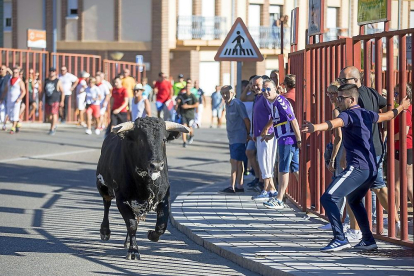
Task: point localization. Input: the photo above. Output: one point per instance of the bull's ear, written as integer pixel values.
(171, 135)
(118, 129)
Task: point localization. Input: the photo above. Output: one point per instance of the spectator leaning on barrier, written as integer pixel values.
(140, 107)
(371, 100)
(238, 126)
(81, 97)
(163, 91)
(287, 133)
(5, 75)
(409, 133)
(362, 167)
(217, 105)
(14, 91)
(54, 98)
(69, 83)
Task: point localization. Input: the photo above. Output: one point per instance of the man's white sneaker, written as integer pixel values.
(353, 235)
(325, 227)
(88, 131)
(97, 131)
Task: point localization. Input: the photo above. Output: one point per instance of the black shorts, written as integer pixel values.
(409, 156)
(119, 118)
(187, 120)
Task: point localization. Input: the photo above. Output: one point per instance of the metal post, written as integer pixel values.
(239, 79)
(281, 38)
(233, 18)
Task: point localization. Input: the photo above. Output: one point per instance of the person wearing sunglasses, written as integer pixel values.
(370, 99)
(362, 167)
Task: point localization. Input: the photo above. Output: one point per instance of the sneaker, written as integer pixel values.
(97, 131)
(262, 196)
(88, 131)
(327, 226)
(83, 124)
(19, 125)
(353, 235)
(345, 226)
(274, 194)
(3, 127)
(184, 144)
(336, 245)
(366, 245)
(12, 130)
(17, 129)
(191, 140)
(239, 190)
(52, 132)
(274, 203)
(228, 190)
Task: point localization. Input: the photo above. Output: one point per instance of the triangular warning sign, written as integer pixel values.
(238, 45)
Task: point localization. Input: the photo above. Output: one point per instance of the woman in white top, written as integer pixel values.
(140, 106)
(93, 102)
(15, 93)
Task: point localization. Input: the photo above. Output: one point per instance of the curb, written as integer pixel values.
(254, 266)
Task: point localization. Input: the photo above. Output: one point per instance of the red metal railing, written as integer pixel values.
(26, 60)
(113, 68)
(315, 68)
(75, 63)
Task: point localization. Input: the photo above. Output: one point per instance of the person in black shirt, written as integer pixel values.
(370, 99)
(186, 105)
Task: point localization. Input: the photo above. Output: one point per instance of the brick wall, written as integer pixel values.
(224, 69)
(117, 20)
(80, 20)
(186, 63)
(160, 55)
(264, 13)
(14, 23)
(63, 15)
(253, 68)
(196, 7)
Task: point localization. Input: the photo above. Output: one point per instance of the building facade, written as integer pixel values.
(176, 36)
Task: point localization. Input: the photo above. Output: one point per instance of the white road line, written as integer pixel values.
(45, 156)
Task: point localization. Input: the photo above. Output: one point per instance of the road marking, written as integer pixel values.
(45, 156)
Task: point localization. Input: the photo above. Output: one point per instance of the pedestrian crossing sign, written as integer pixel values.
(238, 45)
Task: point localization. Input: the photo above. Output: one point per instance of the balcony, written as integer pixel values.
(270, 37)
(201, 27)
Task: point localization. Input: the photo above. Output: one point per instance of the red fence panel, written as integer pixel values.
(113, 68)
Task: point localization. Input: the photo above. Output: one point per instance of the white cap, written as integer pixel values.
(139, 87)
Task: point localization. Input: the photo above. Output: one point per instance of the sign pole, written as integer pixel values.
(239, 79)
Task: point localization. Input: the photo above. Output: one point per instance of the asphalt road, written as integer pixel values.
(50, 210)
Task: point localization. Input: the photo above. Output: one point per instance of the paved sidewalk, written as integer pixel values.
(271, 242)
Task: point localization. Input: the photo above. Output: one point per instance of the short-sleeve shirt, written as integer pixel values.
(357, 137)
(81, 86)
(409, 122)
(236, 128)
(164, 90)
(119, 95)
(178, 86)
(199, 95)
(67, 81)
(187, 99)
(129, 84)
(92, 95)
(261, 115)
(282, 115)
(148, 90)
(216, 100)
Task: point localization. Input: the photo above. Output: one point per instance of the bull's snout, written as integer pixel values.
(156, 166)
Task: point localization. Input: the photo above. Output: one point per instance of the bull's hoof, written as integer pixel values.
(133, 256)
(105, 237)
(153, 236)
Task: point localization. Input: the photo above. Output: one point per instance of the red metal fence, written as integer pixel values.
(113, 68)
(315, 68)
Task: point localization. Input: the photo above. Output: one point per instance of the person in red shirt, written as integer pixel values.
(290, 84)
(409, 133)
(119, 104)
(163, 91)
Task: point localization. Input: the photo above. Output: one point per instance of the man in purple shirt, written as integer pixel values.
(362, 166)
(286, 131)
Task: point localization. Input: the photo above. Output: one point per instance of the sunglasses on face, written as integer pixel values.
(344, 80)
(268, 89)
(342, 98)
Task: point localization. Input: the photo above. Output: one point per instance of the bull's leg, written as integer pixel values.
(105, 231)
(131, 225)
(163, 211)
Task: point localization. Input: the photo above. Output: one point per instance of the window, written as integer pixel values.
(254, 15)
(7, 15)
(274, 12)
(72, 7)
(331, 18)
(412, 19)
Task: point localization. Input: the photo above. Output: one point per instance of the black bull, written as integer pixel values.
(133, 169)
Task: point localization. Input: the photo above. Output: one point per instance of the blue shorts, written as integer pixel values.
(379, 180)
(238, 151)
(251, 145)
(288, 158)
(159, 105)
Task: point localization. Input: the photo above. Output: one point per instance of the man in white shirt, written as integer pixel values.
(69, 83)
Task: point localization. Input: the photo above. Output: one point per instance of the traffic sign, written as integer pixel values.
(238, 45)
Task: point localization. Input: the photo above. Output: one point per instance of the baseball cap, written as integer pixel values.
(180, 76)
(52, 69)
(138, 87)
(85, 74)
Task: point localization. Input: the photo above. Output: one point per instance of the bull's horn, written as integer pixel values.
(171, 126)
(123, 127)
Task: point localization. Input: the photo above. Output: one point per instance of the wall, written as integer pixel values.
(30, 17)
(135, 20)
(172, 22)
(98, 20)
